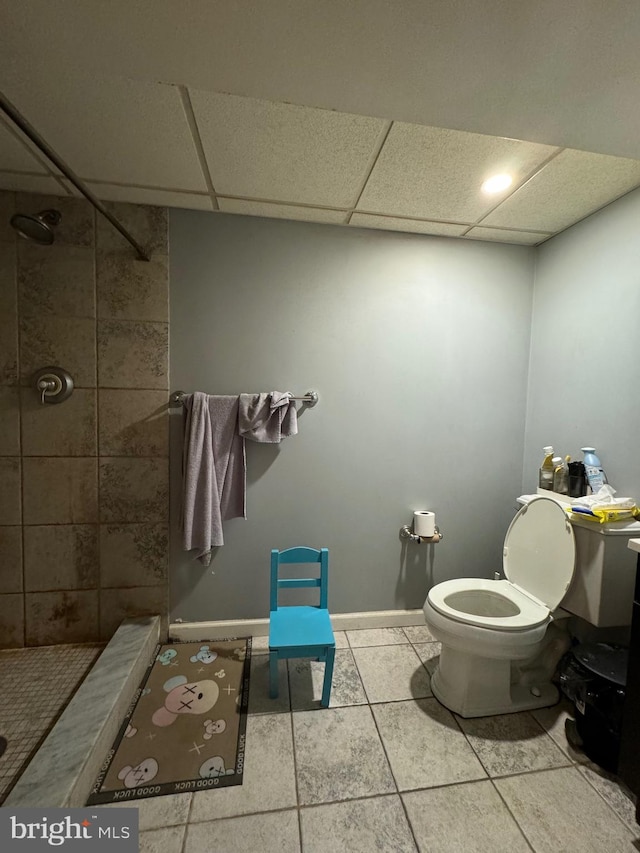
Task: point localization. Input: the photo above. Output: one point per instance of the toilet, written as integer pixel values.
(502, 639)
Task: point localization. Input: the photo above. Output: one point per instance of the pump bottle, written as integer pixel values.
(561, 475)
(545, 477)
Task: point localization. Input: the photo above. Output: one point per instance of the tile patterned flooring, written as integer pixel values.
(35, 686)
(388, 768)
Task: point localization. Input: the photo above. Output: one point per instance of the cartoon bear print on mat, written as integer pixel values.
(130, 731)
(240, 653)
(213, 767)
(132, 777)
(213, 727)
(204, 655)
(167, 656)
(195, 697)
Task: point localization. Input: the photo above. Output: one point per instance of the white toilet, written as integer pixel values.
(501, 639)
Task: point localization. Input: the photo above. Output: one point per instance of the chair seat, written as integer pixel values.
(290, 627)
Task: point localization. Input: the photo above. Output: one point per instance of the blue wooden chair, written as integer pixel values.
(300, 632)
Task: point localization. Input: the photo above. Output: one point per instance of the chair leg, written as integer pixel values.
(328, 677)
(273, 675)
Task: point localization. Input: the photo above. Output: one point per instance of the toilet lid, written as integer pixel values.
(540, 552)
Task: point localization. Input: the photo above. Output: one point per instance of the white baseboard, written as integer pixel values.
(376, 619)
(193, 631)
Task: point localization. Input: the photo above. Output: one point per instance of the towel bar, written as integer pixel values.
(311, 398)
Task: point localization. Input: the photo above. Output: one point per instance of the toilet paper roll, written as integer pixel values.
(424, 522)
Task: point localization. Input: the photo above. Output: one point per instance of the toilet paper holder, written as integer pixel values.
(407, 533)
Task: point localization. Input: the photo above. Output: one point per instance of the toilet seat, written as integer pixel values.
(538, 561)
(448, 598)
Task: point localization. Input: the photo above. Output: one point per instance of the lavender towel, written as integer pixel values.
(267, 418)
(213, 472)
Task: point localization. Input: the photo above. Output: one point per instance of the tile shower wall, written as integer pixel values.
(83, 485)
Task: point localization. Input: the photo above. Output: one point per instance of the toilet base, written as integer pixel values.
(479, 687)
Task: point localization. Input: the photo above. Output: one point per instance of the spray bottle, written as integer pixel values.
(595, 475)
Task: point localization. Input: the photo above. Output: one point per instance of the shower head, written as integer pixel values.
(38, 226)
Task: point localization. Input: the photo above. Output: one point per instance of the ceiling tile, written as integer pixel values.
(560, 71)
(14, 157)
(499, 235)
(116, 130)
(40, 162)
(283, 152)
(280, 211)
(412, 226)
(432, 173)
(30, 183)
(144, 195)
(572, 185)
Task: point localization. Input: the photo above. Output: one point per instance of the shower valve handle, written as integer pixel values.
(54, 384)
(46, 386)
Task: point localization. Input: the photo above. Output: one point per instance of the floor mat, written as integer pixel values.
(185, 730)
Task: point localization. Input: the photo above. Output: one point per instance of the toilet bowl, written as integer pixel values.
(501, 640)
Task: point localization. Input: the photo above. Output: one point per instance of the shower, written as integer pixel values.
(38, 227)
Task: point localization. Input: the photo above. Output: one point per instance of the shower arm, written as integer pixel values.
(29, 131)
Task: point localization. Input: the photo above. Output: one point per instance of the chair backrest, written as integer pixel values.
(299, 555)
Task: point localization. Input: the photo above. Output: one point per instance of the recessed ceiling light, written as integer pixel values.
(496, 184)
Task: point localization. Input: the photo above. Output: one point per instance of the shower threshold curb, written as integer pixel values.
(63, 770)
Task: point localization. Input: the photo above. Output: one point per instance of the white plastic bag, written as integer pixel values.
(604, 497)
(604, 507)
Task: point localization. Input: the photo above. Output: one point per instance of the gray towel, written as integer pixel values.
(267, 418)
(213, 471)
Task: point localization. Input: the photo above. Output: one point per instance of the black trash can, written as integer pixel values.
(594, 677)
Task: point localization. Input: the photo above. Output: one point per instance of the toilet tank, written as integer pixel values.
(604, 579)
(602, 588)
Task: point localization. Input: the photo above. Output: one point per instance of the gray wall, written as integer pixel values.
(418, 347)
(585, 349)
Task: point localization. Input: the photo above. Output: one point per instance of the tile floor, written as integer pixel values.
(36, 685)
(387, 768)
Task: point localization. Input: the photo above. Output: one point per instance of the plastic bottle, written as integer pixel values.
(545, 477)
(561, 475)
(577, 480)
(595, 475)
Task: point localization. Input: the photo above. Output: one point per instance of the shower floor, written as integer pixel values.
(36, 685)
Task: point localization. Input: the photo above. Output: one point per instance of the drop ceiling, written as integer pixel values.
(368, 114)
